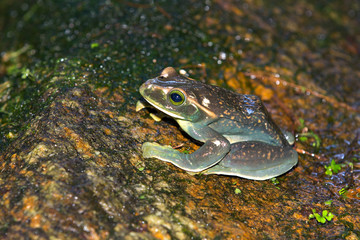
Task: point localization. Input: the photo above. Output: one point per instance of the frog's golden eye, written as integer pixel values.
(176, 97)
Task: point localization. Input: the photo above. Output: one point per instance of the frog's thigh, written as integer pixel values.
(256, 160)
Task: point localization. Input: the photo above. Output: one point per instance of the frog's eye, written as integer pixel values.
(176, 97)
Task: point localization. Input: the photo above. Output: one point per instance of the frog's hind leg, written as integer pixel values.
(255, 160)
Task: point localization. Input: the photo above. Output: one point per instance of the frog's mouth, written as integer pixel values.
(164, 110)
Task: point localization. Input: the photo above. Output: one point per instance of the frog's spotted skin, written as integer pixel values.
(239, 136)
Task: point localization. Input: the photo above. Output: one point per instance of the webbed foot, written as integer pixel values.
(165, 153)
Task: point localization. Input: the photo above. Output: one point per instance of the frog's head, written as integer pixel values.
(176, 96)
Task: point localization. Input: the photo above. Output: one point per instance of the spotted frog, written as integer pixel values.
(239, 136)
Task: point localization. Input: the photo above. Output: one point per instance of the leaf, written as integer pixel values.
(342, 191)
(25, 73)
(326, 215)
(328, 202)
(319, 218)
(275, 181)
(94, 45)
(302, 124)
(317, 140)
(330, 216)
(328, 170)
(303, 139)
(335, 167)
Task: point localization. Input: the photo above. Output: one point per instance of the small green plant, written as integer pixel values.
(343, 191)
(328, 202)
(303, 137)
(139, 167)
(94, 45)
(26, 73)
(325, 216)
(275, 181)
(302, 124)
(332, 168)
(237, 191)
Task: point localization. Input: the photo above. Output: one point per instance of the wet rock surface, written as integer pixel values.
(71, 164)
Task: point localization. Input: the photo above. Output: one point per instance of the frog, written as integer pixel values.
(238, 134)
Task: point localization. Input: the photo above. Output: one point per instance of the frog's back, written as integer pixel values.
(229, 104)
(241, 113)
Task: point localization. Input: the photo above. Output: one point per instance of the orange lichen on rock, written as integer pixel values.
(30, 203)
(6, 199)
(35, 221)
(107, 131)
(109, 113)
(159, 234)
(101, 161)
(231, 7)
(353, 193)
(81, 146)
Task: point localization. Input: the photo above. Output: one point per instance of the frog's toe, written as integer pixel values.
(151, 149)
(139, 105)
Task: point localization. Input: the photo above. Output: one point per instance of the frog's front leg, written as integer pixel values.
(213, 150)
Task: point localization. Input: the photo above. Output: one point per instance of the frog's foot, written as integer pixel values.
(164, 153)
(141, 105)
(195, 173)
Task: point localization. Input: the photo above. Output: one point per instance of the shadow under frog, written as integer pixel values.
(239, 136)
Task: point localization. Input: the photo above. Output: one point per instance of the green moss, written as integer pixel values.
(65, 44)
